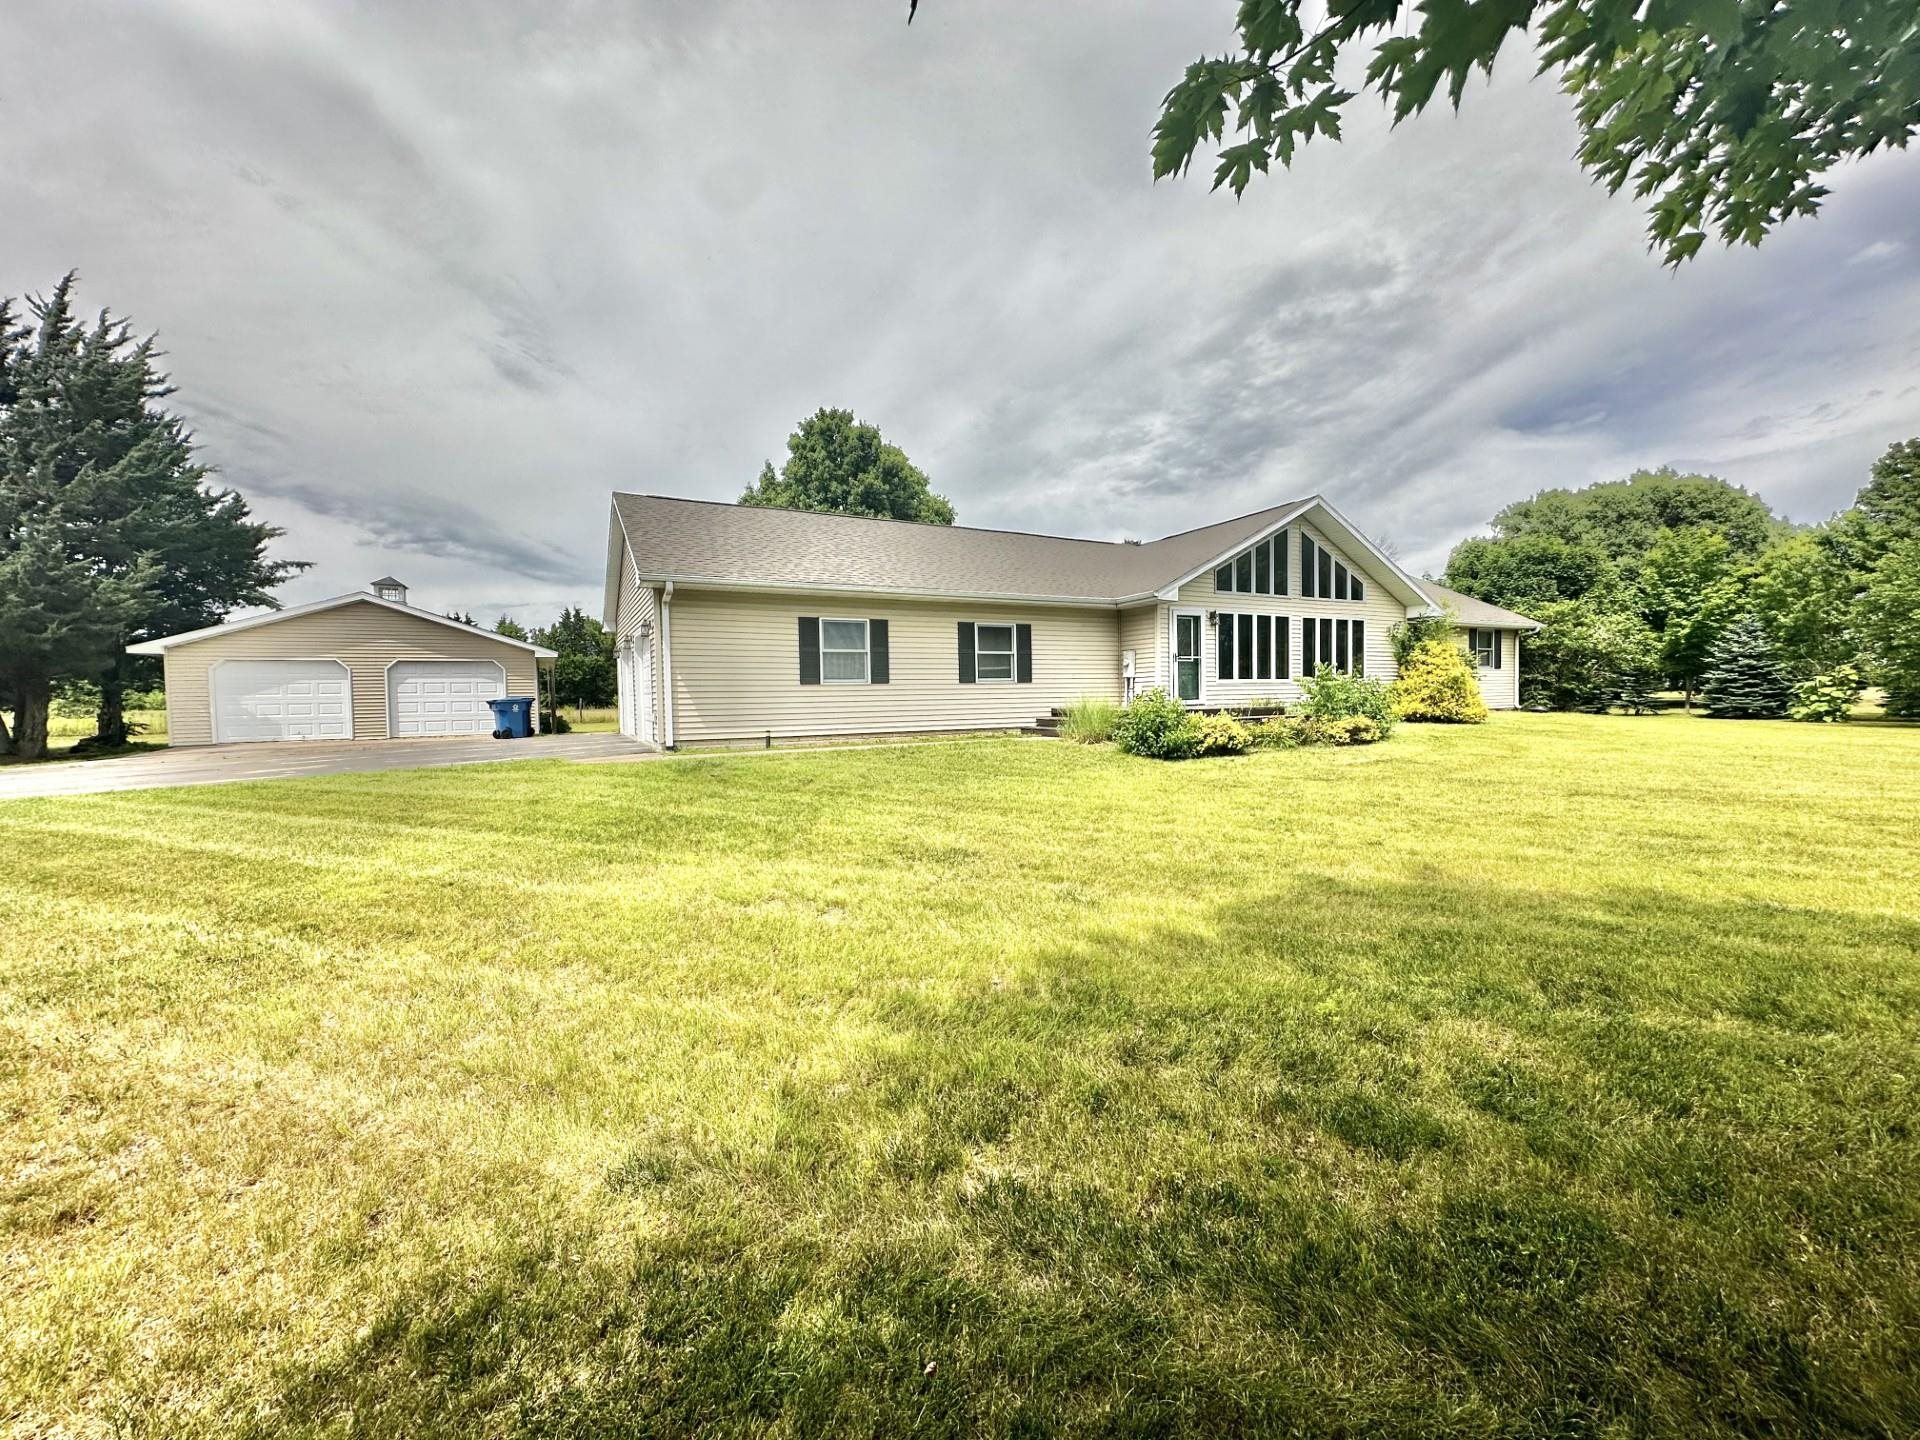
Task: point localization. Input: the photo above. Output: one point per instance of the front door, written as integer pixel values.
(1186, 654)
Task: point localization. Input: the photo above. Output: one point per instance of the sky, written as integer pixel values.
(435, 276)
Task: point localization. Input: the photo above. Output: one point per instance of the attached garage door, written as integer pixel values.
(443, 697)
(281, 700)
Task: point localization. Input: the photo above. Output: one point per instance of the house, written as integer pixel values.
(736, 623)
(362, 666)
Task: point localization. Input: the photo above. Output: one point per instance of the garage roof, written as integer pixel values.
(358, 597)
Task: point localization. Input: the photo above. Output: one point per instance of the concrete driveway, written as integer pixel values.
(224, 764)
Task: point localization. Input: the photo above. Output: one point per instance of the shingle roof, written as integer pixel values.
(691, 540)
(1470, 611)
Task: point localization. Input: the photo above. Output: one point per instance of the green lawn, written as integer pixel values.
(1556, 1077)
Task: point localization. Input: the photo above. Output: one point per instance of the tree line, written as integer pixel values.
(1689, 583)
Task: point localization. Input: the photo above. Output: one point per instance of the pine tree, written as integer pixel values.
(109, 532)
(1744, 679)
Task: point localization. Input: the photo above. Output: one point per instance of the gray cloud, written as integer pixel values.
(434, 279)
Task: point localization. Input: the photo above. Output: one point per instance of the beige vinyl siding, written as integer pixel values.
(366, 638)
(638, 605)
(1380, 610)
(1143, 630)
(736, 667)
(1500, 688)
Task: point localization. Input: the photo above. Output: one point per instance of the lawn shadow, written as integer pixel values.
(1333, 1160)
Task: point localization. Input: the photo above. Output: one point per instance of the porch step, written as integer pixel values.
(1048, 724)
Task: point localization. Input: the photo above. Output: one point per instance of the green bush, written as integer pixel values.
(1333, 696)
(558, 724)
(1279, 732)
(1417, 630)
(1089, 720)
(1826, 698)
(1436, 685)
(1341, 730)
(1221, 735)
(1158, 726)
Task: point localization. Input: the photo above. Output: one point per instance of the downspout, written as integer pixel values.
(666, 666)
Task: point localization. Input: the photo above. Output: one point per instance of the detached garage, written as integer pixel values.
(366, 666)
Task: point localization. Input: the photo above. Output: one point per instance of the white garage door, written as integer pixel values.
(443, 697)
(281, 700)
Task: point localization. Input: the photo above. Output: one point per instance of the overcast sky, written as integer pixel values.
(434, 278)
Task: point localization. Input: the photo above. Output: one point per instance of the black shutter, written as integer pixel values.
(809, 649)
(877, 672)
(1023, 654)
(1497, 648)
(966, 652)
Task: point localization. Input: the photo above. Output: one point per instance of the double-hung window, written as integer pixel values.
(1486, 648)
(843, 652)
(993, 652)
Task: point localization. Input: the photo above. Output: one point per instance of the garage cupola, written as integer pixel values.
(388, 588)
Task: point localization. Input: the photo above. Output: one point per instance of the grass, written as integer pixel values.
(1554, 1077)
(1089, 720)
(604, 719)
(64, 730)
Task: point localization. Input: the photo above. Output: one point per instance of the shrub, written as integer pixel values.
(1158, 726)
(1341, 730)
(1221, 735)
(1279, 732)
(1417, 630)
(1744, 679)
(1333, 696)
(1436, 684)
(1829, 697)
(1587, 658)
(558, 724)
(1089, 720)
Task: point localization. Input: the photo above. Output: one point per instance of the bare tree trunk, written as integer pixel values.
(32, 695)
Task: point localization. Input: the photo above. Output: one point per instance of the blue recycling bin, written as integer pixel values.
(514, 714)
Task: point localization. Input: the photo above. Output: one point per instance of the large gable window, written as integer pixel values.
(1250, 647)
(1322, 577)
(1340, 645)
(843, 652)
(1259, 570)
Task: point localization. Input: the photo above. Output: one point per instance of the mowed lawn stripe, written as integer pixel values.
(1549, 1077)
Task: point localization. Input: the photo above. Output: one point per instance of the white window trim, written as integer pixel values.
(865, 651)
(1012, 652)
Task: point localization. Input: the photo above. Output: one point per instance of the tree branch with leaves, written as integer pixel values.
(1722, 114)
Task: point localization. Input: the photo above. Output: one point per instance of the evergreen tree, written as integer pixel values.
(108, 530)
(1745, 679)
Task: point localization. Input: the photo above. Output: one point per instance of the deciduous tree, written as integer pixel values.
(1721, 114)
(835, 463)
